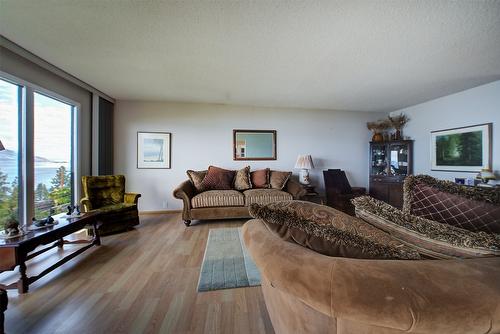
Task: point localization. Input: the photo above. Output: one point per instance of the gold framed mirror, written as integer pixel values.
(254, 144)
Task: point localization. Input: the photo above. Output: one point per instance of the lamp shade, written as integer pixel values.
(304, 162)
(1, 146)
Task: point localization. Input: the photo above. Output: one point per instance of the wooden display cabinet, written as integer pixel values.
(390, 163)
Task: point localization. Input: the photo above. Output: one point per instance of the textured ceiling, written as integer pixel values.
(348, 55)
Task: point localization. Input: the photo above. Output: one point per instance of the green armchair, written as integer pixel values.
(118, 209)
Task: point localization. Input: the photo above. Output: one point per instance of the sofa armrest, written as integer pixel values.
(295, 189)
(131, 198)
(185, 191)
(424, 296)
(86, 204)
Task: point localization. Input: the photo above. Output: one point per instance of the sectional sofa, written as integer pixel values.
(447, 284)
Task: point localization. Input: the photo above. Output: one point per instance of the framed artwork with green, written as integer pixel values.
(465, 149)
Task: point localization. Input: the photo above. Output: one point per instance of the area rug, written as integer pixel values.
(226, 263)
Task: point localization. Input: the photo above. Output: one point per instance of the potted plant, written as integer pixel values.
(11, 226)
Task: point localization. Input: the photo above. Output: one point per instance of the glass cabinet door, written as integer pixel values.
(398, 157)
(378, 160)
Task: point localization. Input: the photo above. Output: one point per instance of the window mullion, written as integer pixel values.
(27, 157)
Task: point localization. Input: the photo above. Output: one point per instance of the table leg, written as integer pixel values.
(23, 283)
(3, 307)
(97, 237)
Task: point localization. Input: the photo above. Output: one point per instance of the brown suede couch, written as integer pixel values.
(306, 292)
(229, 204)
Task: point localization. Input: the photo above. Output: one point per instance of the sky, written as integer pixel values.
(8, 115)
(52, 124)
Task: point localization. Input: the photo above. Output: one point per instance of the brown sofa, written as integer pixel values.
(306, 292)
(229, 204)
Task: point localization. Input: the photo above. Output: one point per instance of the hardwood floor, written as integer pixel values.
(142, 281)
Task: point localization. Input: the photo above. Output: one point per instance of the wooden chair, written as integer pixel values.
(339, 192)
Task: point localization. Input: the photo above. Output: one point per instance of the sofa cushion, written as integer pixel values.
(260, 178)
(471, 208)
(329, 231)
(215, 198)
(430, 238)
(196, 178)
(278, 180)
(218, 179)
(265, 196)
(242, 179)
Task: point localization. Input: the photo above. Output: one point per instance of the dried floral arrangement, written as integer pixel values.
(398, 122)
(378, 126)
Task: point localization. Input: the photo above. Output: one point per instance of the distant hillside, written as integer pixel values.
(9, 155)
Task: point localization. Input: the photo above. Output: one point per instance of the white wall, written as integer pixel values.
(202, 135)
(473, 106)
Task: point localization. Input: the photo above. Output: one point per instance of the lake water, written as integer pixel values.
(44, 171)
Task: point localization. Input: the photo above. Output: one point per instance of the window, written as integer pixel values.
(37, 177)
(9, 151)
(53, 155)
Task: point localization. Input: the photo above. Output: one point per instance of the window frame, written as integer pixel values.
(26, 163)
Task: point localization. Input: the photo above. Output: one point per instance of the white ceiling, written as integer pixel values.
(347, 55)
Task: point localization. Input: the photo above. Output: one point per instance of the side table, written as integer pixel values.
(313, 196)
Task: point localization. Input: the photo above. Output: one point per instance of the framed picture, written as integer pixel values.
(153, 149)
(254, 144)
(465, 149)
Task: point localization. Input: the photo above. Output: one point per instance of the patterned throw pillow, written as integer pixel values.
(196, 177)
(242, 179)
(218, 179)
(279, 179)
(430, 238)
(329, 231)
(260, 178)
(472, 208)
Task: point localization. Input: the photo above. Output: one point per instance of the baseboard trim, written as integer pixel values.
(159, 212)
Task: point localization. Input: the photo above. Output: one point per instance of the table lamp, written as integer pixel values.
(304, 163)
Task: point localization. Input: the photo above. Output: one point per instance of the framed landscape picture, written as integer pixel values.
(153, 149)
(465, 149)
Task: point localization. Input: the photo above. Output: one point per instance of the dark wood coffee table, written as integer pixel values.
(15, 252)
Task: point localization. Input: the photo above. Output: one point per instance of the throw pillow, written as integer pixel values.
(218, 179)
(278, 179)
(260, 178)
(196, 177)
(472, 208)
(242, 179)
(429, 237)
(329, 231)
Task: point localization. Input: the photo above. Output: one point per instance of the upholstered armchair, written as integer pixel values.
(118, 209)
